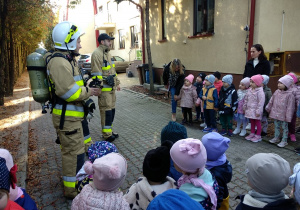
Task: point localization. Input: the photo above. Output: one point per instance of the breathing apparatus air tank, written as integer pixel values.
(36, 67)
(41, 51)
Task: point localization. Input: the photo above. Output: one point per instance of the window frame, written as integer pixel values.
(122, 41)
(112, 46)
(134, 39)
(207, 9)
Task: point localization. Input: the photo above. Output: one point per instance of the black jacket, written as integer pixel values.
(225, 94)
(199, 86)
(263, 67)
(180, 80)
(223, 175)
(285, 204)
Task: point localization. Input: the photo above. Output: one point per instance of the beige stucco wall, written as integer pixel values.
(268, 24)
(83, 16)
(224, 51)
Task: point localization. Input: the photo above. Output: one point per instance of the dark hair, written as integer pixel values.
(262, 55)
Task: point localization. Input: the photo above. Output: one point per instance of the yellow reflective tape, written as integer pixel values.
(58, 44)
(106, 89)
(109, 130)
(99, 77)
(87, 140)
(69, 184)
(113, 65)
(80, 83)
(106, 68)
(68, 113)
(72, 31)
(74, 96)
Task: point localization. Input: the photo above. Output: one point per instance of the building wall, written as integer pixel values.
(124, 15)
(268, 25)
(224, 51)
(83, 16)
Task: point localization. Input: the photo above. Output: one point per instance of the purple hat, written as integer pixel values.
(99, 149)
(246, 81)
(189, 155)
(287, 80)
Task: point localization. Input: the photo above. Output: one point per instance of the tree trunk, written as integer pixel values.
(7, 80)
(148, 49)
(10, 90)
(3, 11)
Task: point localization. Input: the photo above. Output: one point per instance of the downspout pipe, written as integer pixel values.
(95, 13)
(67, 10)
(251, 31)
(142, 28)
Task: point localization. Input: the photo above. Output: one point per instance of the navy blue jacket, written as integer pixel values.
(199, 86)
(228, 94)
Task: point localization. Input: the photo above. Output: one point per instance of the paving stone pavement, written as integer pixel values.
(139, 120)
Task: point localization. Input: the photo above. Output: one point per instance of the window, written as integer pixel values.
(122, 39)
(111, 34)
(134, 37)
(204, 12)
(100, 9)
(117, 58)
(163, 19)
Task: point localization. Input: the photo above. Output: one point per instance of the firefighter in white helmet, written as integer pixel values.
(103, 67)
(69, 97)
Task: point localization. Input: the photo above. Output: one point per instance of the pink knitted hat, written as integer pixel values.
(246, 82)
(190, 78)
(294, 77)
(287, 80)
(109, 171)
(189, 155)
(257, 79)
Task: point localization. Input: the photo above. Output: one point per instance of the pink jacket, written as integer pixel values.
(188, 96)
(254, 103)
(296, 91)
(91, 198)
(281, 105)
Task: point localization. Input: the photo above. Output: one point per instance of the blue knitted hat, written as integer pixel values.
(4, 175)
(173, 132)
(174, 199)
(99, 149)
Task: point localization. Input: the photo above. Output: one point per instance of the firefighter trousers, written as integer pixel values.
(72, 152)
(107, 102)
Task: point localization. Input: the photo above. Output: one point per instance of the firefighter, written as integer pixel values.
(103, 67)
(69, 97)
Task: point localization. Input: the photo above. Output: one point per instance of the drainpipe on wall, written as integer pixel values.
(95, 13)
(67, 10)
(251, 34)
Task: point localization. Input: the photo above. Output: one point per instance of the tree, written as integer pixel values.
(147, 42)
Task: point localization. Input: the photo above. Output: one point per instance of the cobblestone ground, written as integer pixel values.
(139, 120)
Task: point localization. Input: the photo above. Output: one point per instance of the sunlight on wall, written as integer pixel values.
(172, 9)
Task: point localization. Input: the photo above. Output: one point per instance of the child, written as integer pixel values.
(281, 108)
(155, 169)
(217, 163)
(172, 132)
(174, 199)
(189, 156)
(294, 181)
(96, 150)
(199, 85)
(188, 96)
(227, 104)
(296, 91)
(5, 184)
(218, 82)
(16, 194)
(239, 116)
(209, 95)
(109, 173)
(268, 95)
(253, 106)
(268, 174)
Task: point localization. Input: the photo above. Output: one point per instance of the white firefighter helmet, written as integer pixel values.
(65, 35)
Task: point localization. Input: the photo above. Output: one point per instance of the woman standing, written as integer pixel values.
(173, 77)
(258, 64)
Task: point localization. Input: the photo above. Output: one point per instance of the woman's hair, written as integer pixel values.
(176, 62)
(262, 55)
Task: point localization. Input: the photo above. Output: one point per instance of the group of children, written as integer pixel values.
(253, 101)
(183, 173)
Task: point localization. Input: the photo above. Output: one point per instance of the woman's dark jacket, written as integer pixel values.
(180, 80)
(263, 67)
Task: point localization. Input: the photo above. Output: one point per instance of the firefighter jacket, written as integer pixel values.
(65, 77)
(103, 66)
